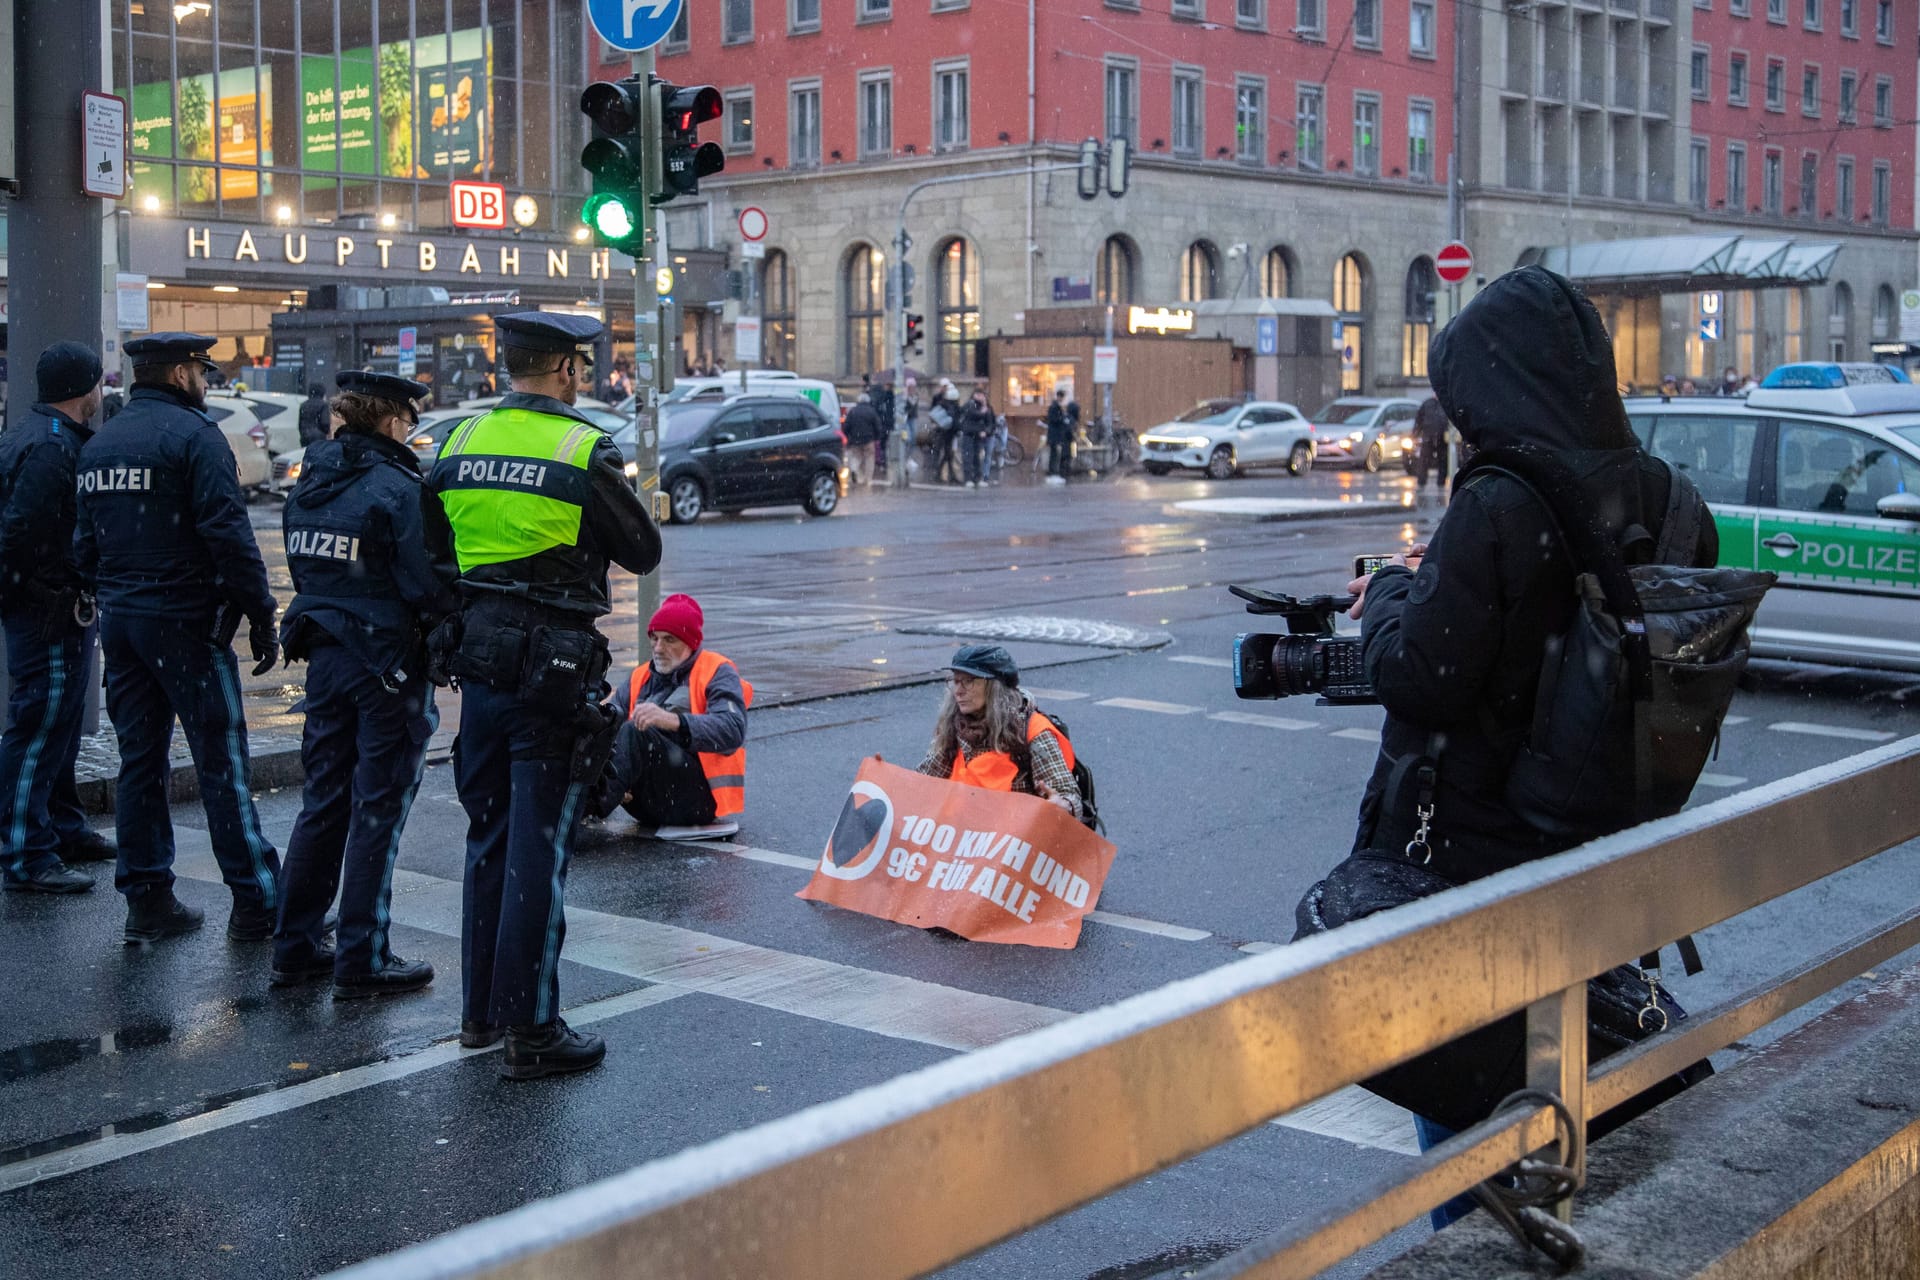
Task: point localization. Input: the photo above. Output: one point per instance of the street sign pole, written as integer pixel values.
(652, 378)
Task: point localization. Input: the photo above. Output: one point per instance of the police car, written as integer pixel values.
(1816, 476)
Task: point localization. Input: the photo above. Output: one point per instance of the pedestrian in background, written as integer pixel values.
(164, 538)
(1059, 438)
(880, 394)
(114, 400)
(943, 415)
(49, 631)
(316, 417)
(900, 462)
(862, 429)
(366, 596)
(976, 424)
(531, 501)
(1430, 445)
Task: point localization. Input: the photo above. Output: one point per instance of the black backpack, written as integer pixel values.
(1082, 776)
(1632, 693)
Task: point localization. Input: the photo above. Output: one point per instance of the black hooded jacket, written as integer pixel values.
(1454, 650)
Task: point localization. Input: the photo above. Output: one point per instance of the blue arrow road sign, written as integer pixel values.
(1709, 328)
(633, 25)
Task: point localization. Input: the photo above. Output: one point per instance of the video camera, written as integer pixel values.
(1308, 659)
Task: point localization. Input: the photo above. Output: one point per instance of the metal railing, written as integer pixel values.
(905, 1177)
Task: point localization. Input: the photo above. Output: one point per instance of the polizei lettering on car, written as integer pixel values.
(117, 480)
(315, 545)
(526, 475)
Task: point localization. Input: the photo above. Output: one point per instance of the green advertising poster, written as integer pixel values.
(452, 92)
(233, 125)
(432, 108)
(341, 117)
(152, 106)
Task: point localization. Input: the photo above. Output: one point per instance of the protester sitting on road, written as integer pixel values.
(679, 762)
(990, 735)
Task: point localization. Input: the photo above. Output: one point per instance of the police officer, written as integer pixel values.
(163, 536)
(367, 594)
(532, 502)
(49, 639)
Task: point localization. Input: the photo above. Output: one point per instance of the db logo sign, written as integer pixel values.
(479, 204)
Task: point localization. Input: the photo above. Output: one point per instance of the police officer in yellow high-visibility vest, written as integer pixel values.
(530, 501)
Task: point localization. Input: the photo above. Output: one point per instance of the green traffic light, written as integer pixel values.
(610, 218)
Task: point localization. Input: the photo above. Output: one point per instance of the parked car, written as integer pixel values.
(434, 425)
(246, 437)
(1816, 476)
(760, 382)
(278, 412)
(1366, 432)
(1225, 437)
(750, 451)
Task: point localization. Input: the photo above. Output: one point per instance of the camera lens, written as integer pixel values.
(1299, 666)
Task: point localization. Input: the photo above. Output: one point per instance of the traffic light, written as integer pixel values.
(1090, 175)
(916, 333)
(679, 111)
(616, 212)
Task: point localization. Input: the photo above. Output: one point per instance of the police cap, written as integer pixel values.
(555, 331)
(381, 386)
(171, 348)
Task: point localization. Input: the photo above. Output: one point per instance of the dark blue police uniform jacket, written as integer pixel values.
(38, 459)
(359, 558)
(163, 529)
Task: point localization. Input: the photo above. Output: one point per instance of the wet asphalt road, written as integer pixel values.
(163, 1113)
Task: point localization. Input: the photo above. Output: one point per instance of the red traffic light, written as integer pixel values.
(691, 106)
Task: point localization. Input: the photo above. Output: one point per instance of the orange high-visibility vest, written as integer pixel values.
(726, 774)
(995, 770)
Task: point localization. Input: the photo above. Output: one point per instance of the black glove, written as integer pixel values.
(264, 643)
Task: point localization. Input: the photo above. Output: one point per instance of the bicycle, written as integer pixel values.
(1103, 448)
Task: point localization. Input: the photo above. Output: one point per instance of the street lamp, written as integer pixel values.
(284, 213)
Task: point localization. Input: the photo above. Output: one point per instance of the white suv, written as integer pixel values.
(1225, 437)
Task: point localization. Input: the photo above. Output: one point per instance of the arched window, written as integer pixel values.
(1199, 272)
(1114, 272)
(1416, 326)
(1839, 320)
(1276, 273)
(864, 288)
(776, 310)
(1351, 300)
(957, 306)
(1885, 313)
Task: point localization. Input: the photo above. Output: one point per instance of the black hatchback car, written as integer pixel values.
(751, 451)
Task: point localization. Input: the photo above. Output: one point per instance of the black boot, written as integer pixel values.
(552, 1050)
(158, 914)
(478, 1035)
(58, 878)
(318, 965)
(397, 976)
(251, 921)
(90, 846)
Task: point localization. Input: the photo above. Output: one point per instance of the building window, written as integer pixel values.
(1123, 98)
(1850, 17)
(1883, 22)
(1882, 192)
(803, 126)
(740, 120)
(1737, 80)
(866, 307)
(1186, 9)
(1351, 301)
(1697, 72)
(1366, 23)
(950, 130)
(1794, 347)
(677, 39)
(1745, 313)
(1199, 272)
(1310, 17)
(1309, 126)
(1840, 321)
(1849, 97)
(1776, 85)
(1809, 183)
(876, 115)
(874, 10)
(1250, 120)
(1777, 11)
(736, 21)
(1811, 18)
(1420, 27)
(957, 306)
(1771, 165)
(1115, 271)
(803, 16)
(776, 310)
(1420, 141)
(1883, 103)
(1738, 8)
(1276, 273)
(1810, 92)
(1187, 112)
(1416, 327)
(1366, 135)
(1843, 194)
(1697, 173)
(1250, 13)
(1736, 177)
(1884, 312)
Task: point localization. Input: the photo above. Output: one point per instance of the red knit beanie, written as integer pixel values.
(679, 616)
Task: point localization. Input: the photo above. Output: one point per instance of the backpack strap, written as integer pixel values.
(1680, 527)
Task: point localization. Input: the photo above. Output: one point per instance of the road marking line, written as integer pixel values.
(1147, 704)
(1833, 731)
(1056, 695)
(1721, 780)
(1179, 932)
(1259, 948)
(1356, 1116)
(119, 1146)
(1358, 735)
(1200, 660)
(1264, 721)
(756, 855)
(1726, 720)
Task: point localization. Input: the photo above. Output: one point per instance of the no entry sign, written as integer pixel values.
(1454, 263)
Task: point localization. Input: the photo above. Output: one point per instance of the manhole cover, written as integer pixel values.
(1018, 626)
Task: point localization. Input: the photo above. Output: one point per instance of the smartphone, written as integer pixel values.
(1367, 566)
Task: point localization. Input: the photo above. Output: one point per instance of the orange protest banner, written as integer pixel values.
(992, 866)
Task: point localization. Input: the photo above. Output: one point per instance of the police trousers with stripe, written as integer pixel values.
(513, 769)
(39, 805)
(159, 668)
(363, 750)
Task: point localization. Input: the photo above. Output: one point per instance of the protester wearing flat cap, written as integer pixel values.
(530, 501)
(990, 735)
(680, 760)
(49, 641)
(164, 540)
(366, 594)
